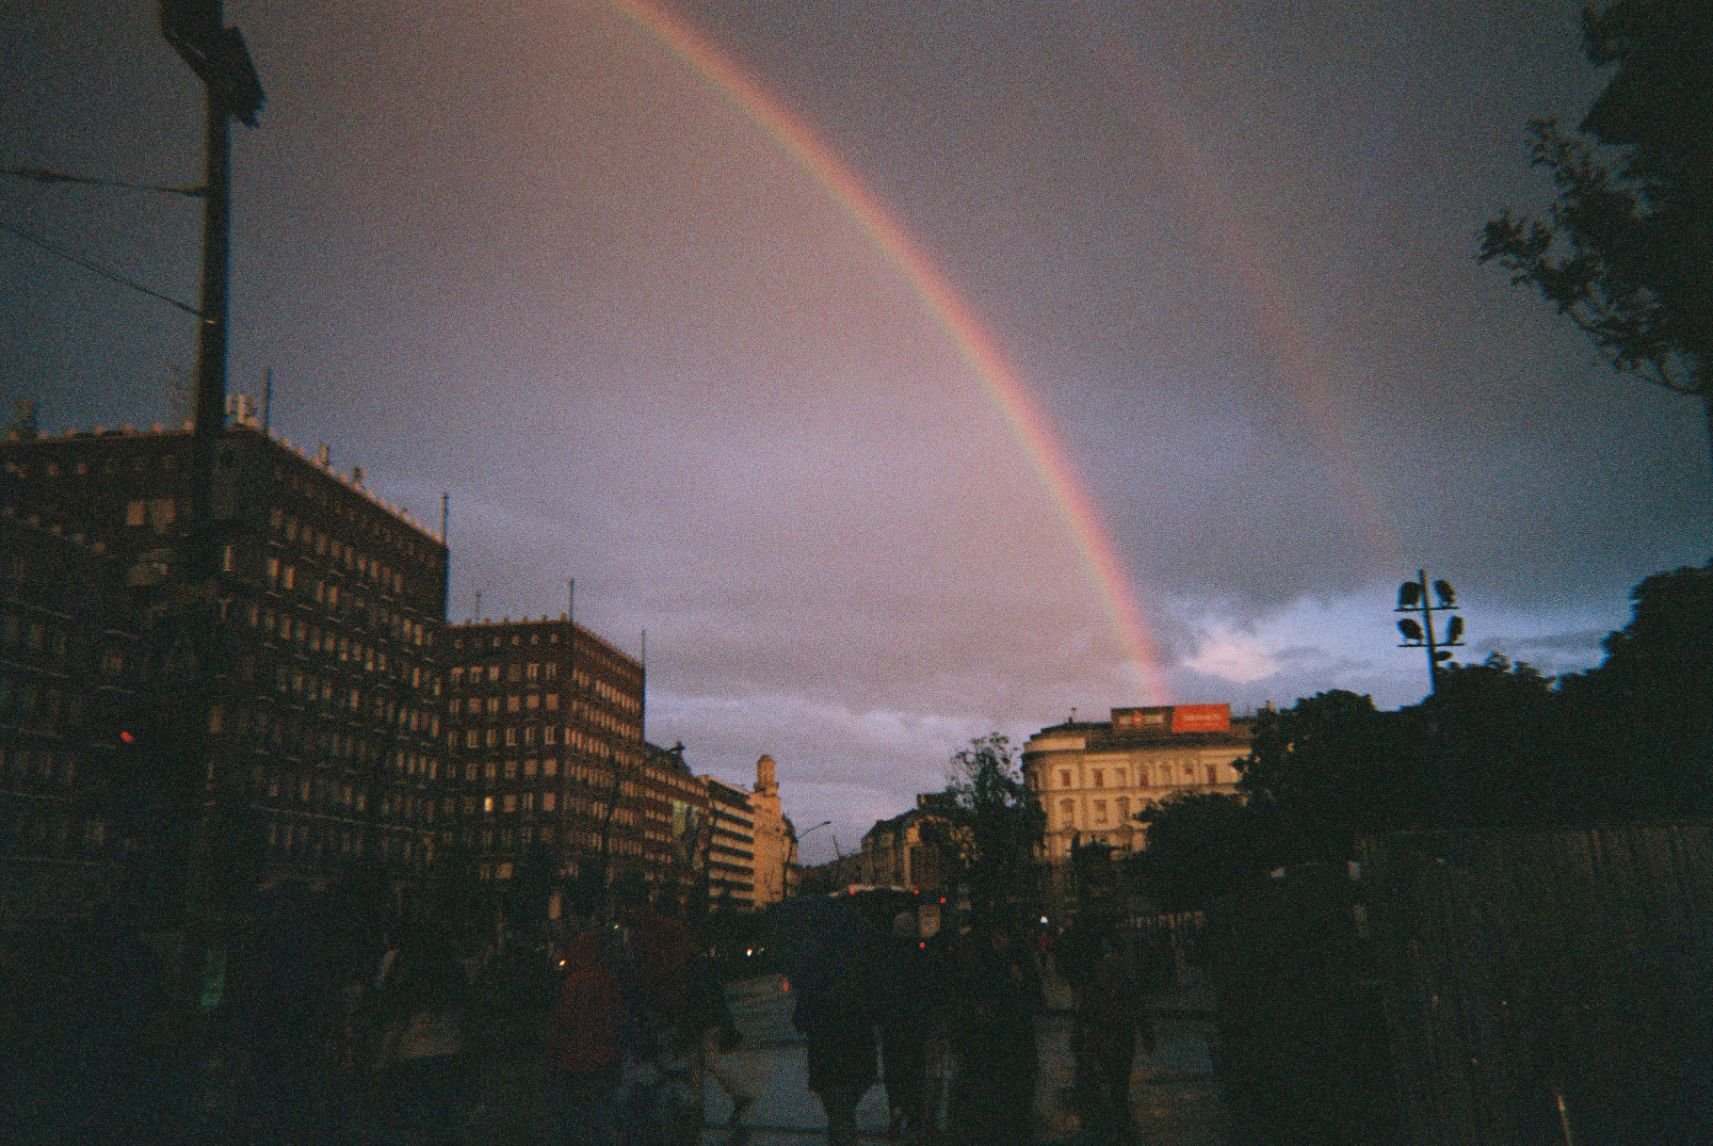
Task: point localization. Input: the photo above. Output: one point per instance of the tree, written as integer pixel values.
(1627, 251)
(991, 823)
(1334, 767)
(1203, 845)
(1492, 749)
(1640, 727)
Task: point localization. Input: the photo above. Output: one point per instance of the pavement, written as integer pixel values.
(1173, 1093)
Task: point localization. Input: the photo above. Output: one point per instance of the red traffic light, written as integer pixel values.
(126, 737)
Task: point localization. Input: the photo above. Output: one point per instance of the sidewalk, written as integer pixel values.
(1173, 1093)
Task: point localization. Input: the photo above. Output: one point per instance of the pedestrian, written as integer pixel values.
(716, 1033)
(422, 1069)
(1110, 1016)
(834, 981)
(999, 991)
(912, 1000)
(583, 1050)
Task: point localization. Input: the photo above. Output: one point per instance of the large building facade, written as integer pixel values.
(546, 755)
(320, 716)
(1093, 777)
(319, 682)
(68, 664)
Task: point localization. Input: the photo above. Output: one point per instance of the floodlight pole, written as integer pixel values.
(1423, 604)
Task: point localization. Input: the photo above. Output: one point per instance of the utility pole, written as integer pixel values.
(1413, 598)
(197, 31)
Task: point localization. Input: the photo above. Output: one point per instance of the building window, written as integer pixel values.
(1068, 813)
(136, 511)
(1213, 773)
(1064, 778)
(1099, 778)
(1100, 811)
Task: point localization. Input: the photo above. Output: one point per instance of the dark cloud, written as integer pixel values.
(526, 255)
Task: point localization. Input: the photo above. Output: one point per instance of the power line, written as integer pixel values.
(43, 175)
(96, 268)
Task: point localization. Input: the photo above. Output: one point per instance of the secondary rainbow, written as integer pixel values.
(978, 348)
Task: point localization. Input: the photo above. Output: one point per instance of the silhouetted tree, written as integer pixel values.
(1202, 845)
(1627, 251)
(991, 824)
(1333, 767)
(1491, 749)
(1640, 727)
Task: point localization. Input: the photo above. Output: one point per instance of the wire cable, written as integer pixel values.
(97, 268)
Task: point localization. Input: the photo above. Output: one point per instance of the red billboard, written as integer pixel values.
(1201, 718)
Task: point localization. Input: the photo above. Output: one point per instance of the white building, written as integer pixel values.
(1093, 777)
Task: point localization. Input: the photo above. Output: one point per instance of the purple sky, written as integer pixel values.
(537, 260)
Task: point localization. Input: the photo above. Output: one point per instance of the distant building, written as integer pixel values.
(1093, 777)
(774, 836)
(731, 852)
(905, 852)
(546, 756)
(324, 715)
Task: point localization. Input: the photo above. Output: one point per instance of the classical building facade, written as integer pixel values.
(905, 851)
(1093, 777)
(323, 694)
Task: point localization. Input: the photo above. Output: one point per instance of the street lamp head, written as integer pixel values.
(1409, 594)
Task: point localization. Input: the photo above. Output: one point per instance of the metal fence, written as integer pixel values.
(1526, 987)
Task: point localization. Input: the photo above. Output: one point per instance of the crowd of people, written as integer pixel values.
(329, 1043)
(947, 1024)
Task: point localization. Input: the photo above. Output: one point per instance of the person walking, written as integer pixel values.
(1110, 1018)
(832, 961)
(421, 1065)
(913, 994)
(583, 1050)
(716, 1032)
(999, 991)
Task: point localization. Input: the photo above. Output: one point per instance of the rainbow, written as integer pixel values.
(1002, 383)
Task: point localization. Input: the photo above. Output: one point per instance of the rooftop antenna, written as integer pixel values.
(478, 615)
(642, 717)
(1073, 719)
(445, 511)
(267, 398)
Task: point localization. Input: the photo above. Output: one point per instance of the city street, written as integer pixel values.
(1173, 1092)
